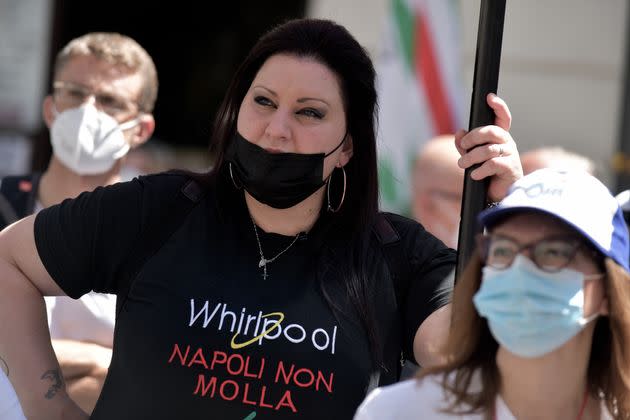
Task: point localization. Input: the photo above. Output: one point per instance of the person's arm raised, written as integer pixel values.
(493, 148)
(25, 346)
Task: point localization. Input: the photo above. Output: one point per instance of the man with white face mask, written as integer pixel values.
(437, 189)
(103, 93)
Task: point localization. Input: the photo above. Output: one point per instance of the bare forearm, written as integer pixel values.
(86, 390)
(84, 367)
(80, 358)
(432, 336)
(26, 350)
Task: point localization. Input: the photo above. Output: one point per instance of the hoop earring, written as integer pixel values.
(343, 195)
(238, 187)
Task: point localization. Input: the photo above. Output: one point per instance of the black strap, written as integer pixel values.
(155, 233)
(7, 212)
(15, 201)
(395, 256)
(400, 274)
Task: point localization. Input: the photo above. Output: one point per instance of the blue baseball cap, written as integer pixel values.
(575, 197)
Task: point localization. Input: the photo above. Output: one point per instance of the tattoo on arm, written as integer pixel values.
(55, 377)
(4, 366)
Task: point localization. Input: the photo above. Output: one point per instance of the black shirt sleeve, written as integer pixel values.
(83, 242)
(431, 264)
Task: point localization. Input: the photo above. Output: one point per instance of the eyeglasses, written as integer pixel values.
(72, 95)
(549, 254)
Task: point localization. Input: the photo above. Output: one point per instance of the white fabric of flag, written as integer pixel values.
(420, 89)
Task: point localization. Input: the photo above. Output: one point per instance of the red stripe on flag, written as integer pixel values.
(427, 70)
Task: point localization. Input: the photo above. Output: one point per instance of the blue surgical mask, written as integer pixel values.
(531, 312)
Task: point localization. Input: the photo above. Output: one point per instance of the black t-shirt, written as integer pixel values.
(201, 334)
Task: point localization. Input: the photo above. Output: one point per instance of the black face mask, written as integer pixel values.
(279, 180)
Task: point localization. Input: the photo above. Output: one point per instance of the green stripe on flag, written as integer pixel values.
(387, 180)
(405, 24)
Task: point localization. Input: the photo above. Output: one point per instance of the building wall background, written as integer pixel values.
(562, 66)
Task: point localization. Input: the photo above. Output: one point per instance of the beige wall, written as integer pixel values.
(561, 69)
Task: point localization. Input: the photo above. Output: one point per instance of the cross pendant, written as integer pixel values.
(263, 264)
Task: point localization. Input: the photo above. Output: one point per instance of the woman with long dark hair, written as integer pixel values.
(541, 325)
(270, 287)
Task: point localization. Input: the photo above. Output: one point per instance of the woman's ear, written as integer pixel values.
(346, 151)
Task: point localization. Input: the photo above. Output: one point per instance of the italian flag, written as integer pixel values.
(420, 89)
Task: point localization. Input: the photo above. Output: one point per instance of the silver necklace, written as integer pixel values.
(264, 261)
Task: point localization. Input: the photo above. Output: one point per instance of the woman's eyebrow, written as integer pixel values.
(301, 100)
(265, 88)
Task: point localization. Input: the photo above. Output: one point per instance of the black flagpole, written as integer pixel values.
(621, 163)
(485, 80)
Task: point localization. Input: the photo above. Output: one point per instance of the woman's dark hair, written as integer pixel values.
(332, 45)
